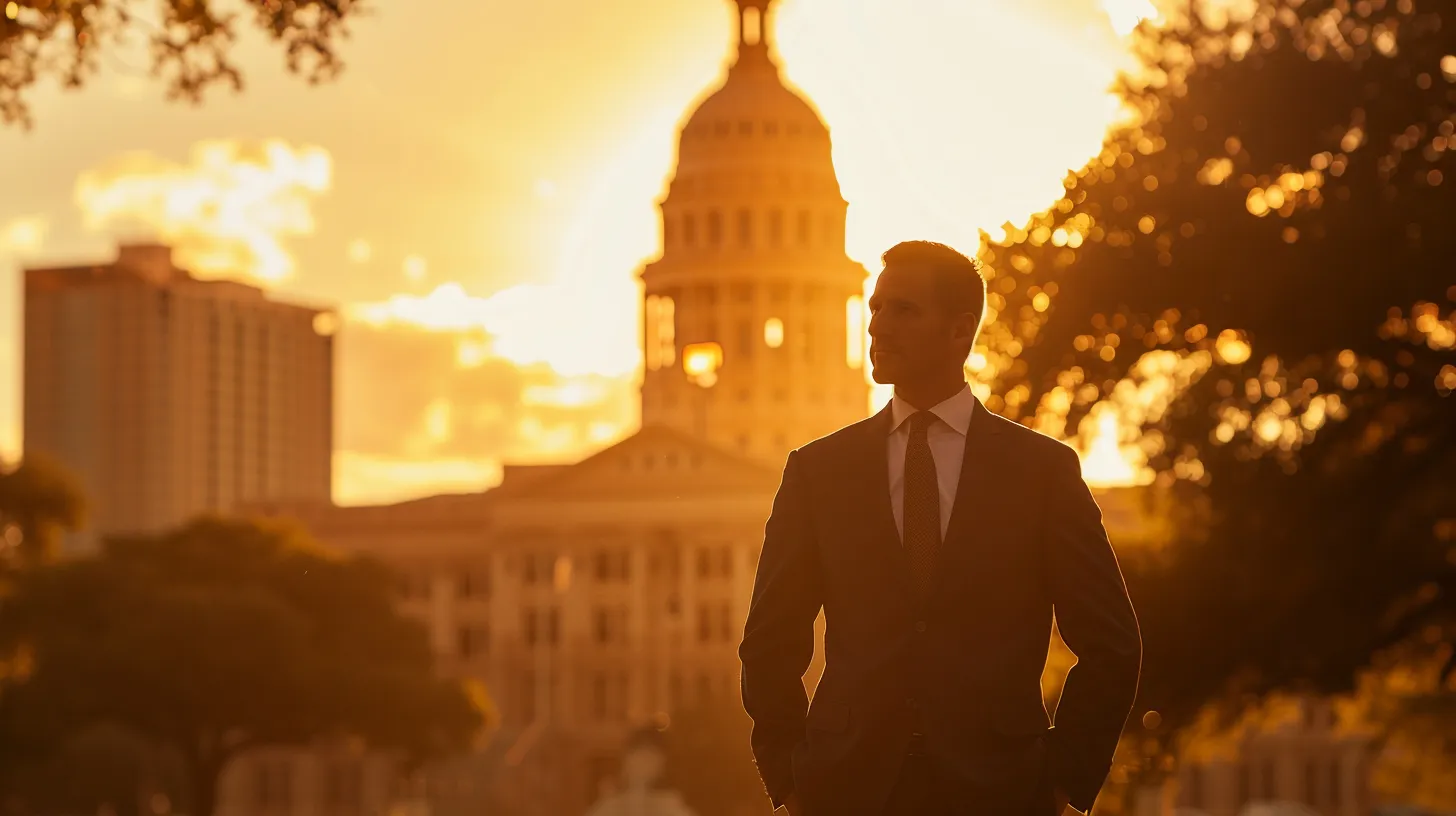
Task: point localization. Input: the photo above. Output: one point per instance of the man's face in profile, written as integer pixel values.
(911, 332)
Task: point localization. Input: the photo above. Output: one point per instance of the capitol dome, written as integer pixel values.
(753, 120)
(753, 312)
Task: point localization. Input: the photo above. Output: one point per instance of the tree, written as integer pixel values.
(1257, 274)
(191, 42)
(219, 637)
(38, 500)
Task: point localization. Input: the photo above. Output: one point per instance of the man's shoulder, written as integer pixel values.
(849, 440)
(1028, 441)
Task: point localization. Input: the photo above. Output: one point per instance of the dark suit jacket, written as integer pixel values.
(962, 667)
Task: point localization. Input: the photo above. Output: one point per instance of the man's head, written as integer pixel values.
(924, 314)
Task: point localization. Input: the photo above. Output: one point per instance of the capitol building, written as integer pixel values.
(595, 597)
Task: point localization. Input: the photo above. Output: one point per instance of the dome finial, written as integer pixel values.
(752, 26)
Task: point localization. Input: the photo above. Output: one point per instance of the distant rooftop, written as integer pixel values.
(149, 263)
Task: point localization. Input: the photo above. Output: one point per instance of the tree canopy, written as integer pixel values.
(190, 42)
(38, 501)
(1257, 273)
(219, 637)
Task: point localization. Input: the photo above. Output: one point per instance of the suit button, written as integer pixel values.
(920, 626)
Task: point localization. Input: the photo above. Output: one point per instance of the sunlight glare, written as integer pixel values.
(1126, 15)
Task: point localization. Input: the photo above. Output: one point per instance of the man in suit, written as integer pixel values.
(940, 540)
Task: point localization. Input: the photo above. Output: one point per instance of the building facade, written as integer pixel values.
(169, 396)
(1300, 759)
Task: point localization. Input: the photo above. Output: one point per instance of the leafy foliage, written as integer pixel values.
(219, 637)
(1258, 274)
(190, 42)
(38, 500)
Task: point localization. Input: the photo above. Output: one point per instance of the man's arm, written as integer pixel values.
(778, 639)
(1096, 620)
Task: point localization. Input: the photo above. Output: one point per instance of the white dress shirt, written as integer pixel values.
(947, 439)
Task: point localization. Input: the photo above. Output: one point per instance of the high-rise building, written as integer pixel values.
(168, 396)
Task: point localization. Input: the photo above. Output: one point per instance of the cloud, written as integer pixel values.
(573, 331)
(420, 417)
(229, 210)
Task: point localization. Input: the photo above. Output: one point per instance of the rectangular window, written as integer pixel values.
(601, 626)
(806, 227)
(473, 583)
(274, 784)
(1194, 796)
(745, 229)
(473, 641)
(705, 624)
(725, 622)
(528, 696)
(600, 704)
(529, 631)
(715, 228)
(775, 228)
(344, 786)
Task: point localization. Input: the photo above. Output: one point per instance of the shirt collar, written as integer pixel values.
(954, 411)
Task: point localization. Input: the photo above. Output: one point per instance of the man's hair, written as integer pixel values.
(957, 278)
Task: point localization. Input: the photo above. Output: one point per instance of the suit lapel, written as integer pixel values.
(877, 514)
(979, 491)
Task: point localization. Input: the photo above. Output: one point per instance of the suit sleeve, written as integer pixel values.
(1097, 622)
(778, 638)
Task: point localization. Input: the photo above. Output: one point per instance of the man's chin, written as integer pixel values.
(881, 376)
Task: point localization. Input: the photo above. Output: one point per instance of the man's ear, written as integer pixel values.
(965, 327)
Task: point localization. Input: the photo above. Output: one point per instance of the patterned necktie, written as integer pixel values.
(921, 504)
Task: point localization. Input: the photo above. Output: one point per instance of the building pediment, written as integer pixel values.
(656, 463)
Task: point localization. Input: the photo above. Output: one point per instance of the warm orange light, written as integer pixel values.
(1231, 347)
(773, 332)
(701, 362)
(1105, 462)
(325, 324)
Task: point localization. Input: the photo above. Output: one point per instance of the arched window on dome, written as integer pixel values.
(806, 227)
(745, 228)
(745, 128)
(715, 228)
(752, 31)
(720, 128)
(690, 229)
(775, 227)
(770, 128)
(660, 331)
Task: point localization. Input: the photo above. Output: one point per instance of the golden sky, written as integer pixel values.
(476, 192)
